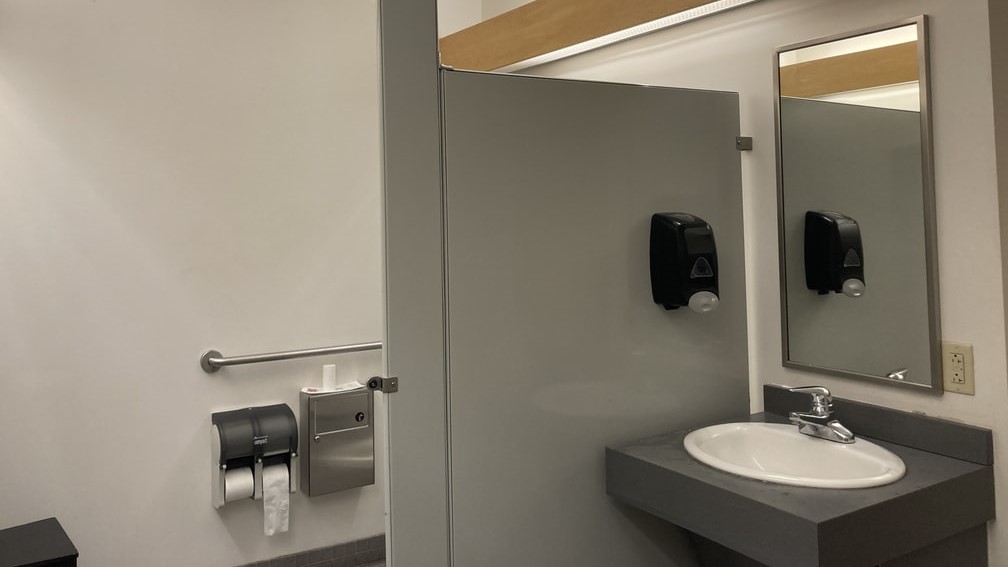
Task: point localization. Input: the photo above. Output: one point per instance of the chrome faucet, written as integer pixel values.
(819, 422)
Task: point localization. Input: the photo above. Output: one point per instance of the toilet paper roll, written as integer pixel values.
(276, 498)
(238, 483)
(328, 377)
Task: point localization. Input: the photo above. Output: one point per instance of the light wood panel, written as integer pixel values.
(543, 26)
(878, 67)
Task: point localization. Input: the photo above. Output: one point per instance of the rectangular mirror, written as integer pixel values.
(859, 286)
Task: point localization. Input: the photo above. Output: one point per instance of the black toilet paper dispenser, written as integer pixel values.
(242, 442)
(684, 268)
(834, 256)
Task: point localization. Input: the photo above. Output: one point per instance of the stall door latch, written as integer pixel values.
(384, 385)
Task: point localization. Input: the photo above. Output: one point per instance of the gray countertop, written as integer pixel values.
(783, 525)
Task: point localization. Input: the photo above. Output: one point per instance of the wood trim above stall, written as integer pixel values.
(542, 26)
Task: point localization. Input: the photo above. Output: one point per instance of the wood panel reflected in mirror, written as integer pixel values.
(859, 289)
(813, 73)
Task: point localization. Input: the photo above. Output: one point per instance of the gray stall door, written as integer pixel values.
(554, 346)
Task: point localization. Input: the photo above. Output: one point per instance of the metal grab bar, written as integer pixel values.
(213, 360)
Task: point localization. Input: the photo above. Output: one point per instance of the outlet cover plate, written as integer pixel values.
(957, 368)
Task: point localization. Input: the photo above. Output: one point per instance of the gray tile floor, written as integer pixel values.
(367, 552)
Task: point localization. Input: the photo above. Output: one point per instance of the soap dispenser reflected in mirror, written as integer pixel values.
(684, 269)
(834, 255)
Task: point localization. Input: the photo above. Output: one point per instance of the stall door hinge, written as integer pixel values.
(743, 143)
(384, 385)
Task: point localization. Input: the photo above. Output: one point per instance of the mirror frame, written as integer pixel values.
(930, 215)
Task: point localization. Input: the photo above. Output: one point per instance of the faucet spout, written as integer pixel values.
(819, 421)
(832, 430)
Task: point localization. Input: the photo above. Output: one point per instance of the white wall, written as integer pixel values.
(178, 175)
(733, 51)
(492, 8)
(454, 15)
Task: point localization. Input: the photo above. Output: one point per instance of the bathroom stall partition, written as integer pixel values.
(553, 346)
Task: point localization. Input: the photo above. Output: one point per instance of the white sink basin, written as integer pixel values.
(776, 452)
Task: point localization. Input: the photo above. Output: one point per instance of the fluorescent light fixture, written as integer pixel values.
(645, 28)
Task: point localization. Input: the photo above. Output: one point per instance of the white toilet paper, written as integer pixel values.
(276, 498)
(238, 483)
(328, 377)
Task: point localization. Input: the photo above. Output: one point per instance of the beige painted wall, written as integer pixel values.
(178, 175)
(733, 51)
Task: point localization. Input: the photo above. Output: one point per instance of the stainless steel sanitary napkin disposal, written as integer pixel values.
(337, 440)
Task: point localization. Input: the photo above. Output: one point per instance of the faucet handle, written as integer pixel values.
(822, 399)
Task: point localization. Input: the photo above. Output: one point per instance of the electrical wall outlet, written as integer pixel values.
(957, 367)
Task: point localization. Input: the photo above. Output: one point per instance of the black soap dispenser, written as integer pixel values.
(834, 256)
(684, 268)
